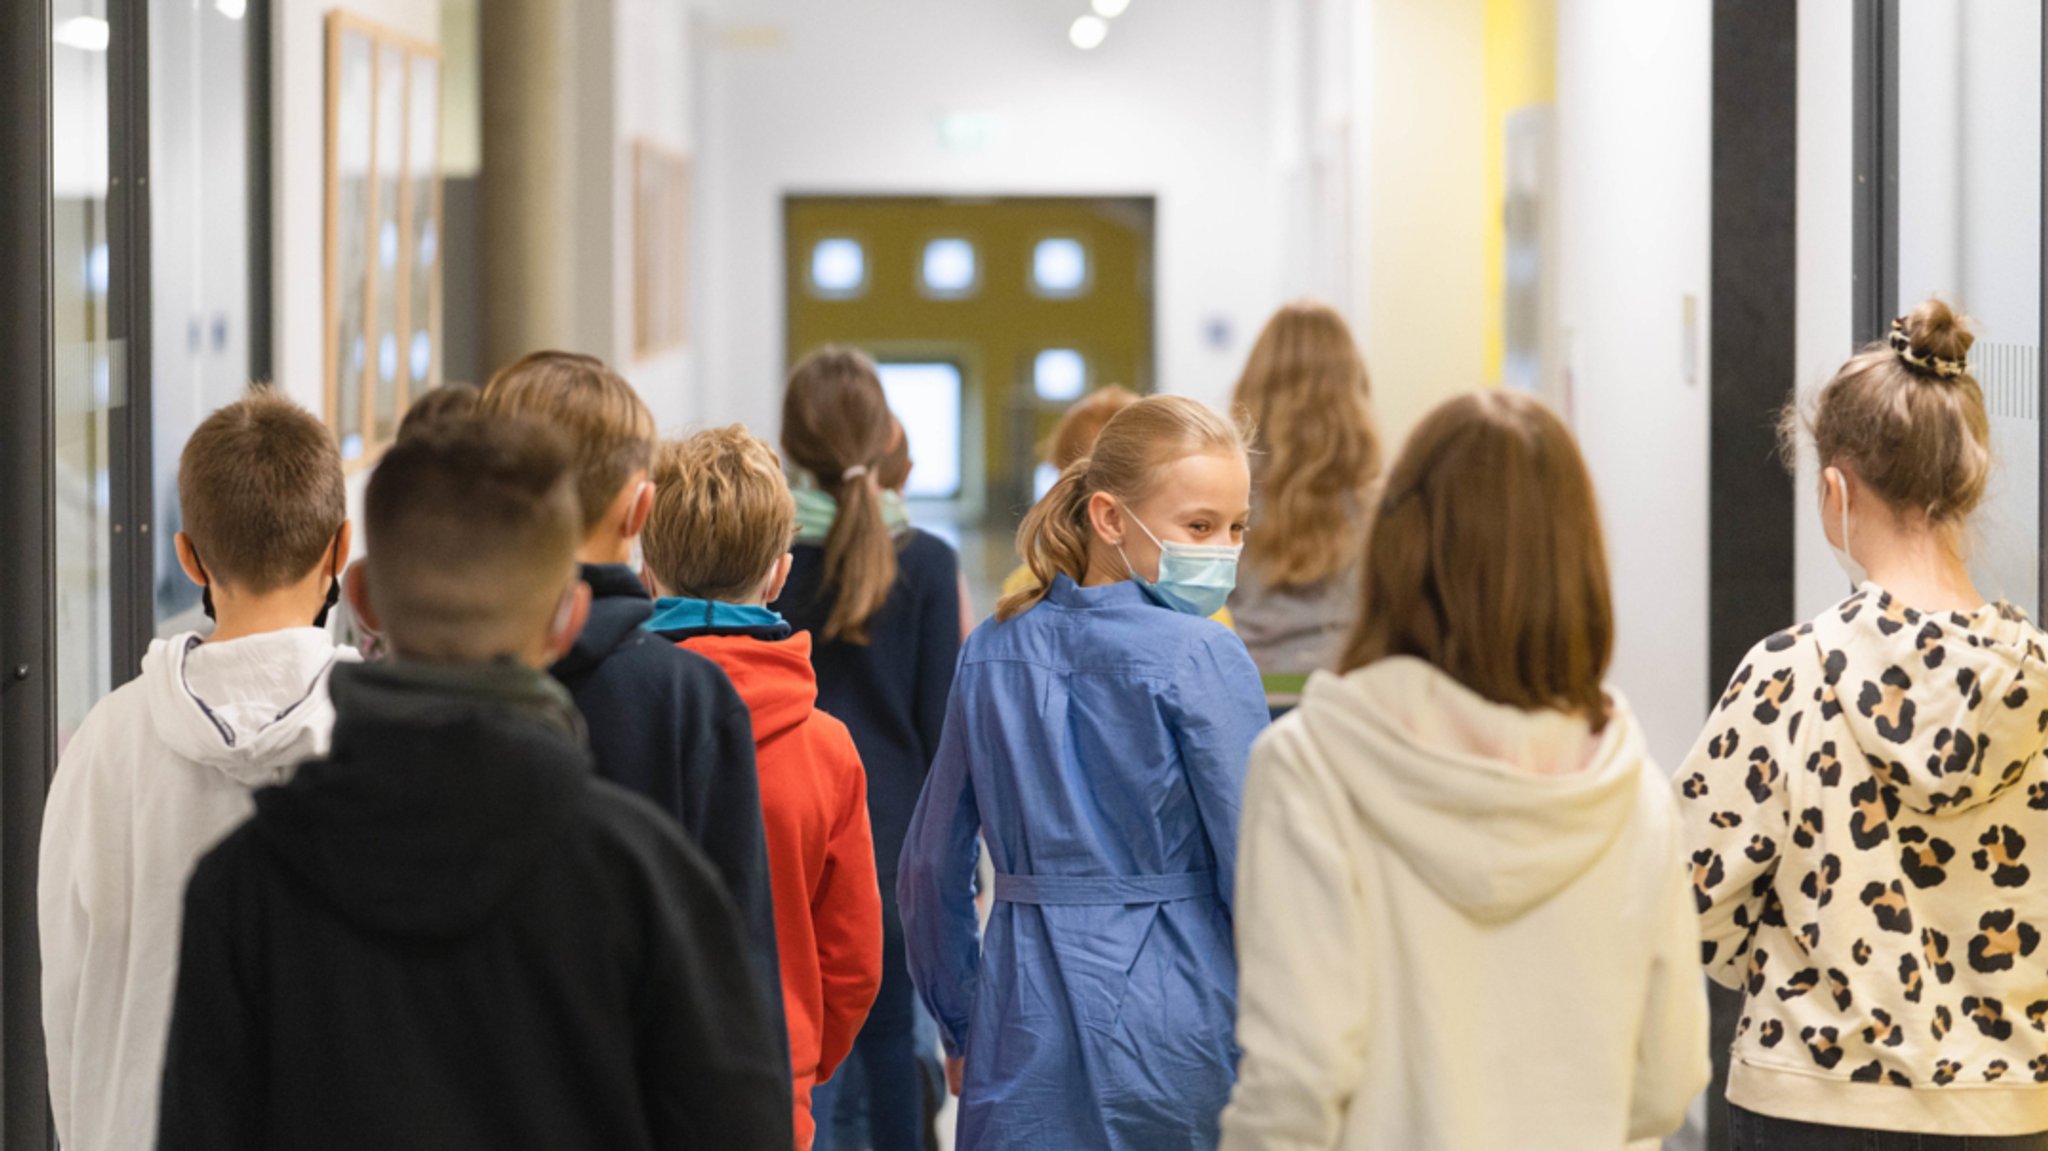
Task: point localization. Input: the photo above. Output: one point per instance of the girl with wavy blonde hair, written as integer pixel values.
(1306, 391)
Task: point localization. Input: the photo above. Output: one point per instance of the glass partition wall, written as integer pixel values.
(1969, 231)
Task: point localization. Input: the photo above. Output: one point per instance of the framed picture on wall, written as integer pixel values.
(661, 249)
(383, 246)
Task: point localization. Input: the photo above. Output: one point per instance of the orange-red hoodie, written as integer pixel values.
(821, 856)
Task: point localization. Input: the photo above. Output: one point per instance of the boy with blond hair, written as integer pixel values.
(164, 767)
(717, 551)
(450, 933)
(664, 722)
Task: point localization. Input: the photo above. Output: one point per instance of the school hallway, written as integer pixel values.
(1663, 227)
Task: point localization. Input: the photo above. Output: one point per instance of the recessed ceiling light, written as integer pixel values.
(232, 9)
(1088, 32)
(1111, 9)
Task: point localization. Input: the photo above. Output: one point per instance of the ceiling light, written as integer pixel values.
(232, 9)
(1111, 9)
(85, 33)
(1088, 32)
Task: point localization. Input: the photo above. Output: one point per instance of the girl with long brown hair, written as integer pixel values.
(1305, 389)
(1461, 917)
(1097, 738)
(882, 601)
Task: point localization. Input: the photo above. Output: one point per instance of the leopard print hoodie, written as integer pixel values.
(1867, 820)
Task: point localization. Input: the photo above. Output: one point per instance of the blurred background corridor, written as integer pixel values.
(1662, 218)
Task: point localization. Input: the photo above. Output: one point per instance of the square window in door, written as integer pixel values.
(926, 397)
(839, 267)
(1059, 375)
(1059, 267)
(949, 271)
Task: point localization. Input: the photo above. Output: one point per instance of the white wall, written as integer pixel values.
(1634, 103)
(1422, 206)
(653, 72)
(1824, 335)
(847, 97)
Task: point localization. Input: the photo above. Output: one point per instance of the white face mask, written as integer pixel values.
(1855, 571)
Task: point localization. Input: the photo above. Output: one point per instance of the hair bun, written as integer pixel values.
(1933, 340)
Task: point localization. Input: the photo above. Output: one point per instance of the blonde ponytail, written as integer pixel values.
(1136, 445)
(1053, 540)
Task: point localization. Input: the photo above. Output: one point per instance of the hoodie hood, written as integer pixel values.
(251, 708)
(1949, 708)
(446, 787)
(1495, 808)
(774, 677)
(619, 606)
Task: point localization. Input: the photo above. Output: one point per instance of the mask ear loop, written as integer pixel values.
(1128, 566)
(206, 586)
(333, 582)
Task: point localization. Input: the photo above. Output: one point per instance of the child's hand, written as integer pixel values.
(956, 1073)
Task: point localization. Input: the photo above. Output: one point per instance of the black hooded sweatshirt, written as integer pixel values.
(666, 724)
(450, 934)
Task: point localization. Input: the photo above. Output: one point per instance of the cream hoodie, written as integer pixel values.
(159, 771)
(1864, 816)
(1459, 927)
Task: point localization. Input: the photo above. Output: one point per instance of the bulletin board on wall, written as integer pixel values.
(661, 249)
(383, 244)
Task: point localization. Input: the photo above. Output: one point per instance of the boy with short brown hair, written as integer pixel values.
(717, 549)
(450, 933)
(663, 722)
(164, 766)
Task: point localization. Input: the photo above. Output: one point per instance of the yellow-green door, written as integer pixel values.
(1027, 302)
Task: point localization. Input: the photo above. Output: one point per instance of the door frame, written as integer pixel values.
(27, 607)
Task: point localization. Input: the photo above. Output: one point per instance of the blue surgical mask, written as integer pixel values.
(1193, 578)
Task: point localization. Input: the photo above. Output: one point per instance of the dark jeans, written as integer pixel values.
(1749, 1131)
(886, 1053)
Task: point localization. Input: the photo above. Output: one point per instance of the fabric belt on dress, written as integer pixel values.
(1103, 890)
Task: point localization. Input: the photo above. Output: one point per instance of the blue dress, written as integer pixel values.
(1099, 743)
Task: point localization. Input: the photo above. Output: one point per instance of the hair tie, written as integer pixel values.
(1941, 366)
(853, 473)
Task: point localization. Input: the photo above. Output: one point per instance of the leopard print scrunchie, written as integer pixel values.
(1941, 366)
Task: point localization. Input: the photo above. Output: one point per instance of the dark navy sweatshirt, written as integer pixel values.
(666, 724)
(891, 691)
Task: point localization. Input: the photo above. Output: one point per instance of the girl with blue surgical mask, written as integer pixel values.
(1096, 739)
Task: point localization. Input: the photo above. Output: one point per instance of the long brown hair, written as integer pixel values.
(1908, 418)
(1306, 390)
(1487, 559)
(836, 426)
(1134, 447)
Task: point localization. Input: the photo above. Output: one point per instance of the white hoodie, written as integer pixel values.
(159, 772)
(1459, 925)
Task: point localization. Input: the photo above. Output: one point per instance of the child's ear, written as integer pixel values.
(1106, 516)
(188, 559)
(568, 623)
(638, 509)
(355, 587)
(778, 577)
(344, 542)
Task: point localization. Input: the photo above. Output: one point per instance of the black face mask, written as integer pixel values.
(319, 619)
